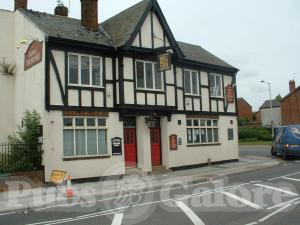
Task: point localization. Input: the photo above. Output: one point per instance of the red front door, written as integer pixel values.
(155, 146)
(130, 147)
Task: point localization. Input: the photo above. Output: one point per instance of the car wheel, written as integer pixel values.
(273, 153)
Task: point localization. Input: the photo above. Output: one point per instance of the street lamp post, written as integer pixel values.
(271, 105)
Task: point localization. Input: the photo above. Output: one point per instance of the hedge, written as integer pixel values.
(255, 134)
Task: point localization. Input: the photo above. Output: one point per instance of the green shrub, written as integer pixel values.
(255, 134)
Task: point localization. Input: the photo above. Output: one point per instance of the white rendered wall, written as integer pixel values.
(266, 116)
(7, 51)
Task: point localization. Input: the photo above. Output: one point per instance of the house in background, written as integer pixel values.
(265, 113)
(244, 110)
(290, 105)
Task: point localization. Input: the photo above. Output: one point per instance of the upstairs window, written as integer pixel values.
(148, 76)
(215, 82)
(85, 70)
(191, 82)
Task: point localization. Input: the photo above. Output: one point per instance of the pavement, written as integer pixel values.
(255, 190)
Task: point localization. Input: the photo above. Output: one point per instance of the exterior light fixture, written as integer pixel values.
(151, 121)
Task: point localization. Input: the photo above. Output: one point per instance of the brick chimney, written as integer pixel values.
(89, 14)
(292, 85)
(20, 4)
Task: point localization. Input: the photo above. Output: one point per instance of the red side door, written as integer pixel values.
(155, 146)
(130, 147)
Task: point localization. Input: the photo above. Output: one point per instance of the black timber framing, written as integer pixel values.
(200, 89)
(134, 80)
(104, 81)
(175, 85)
(47, 78)
(114, 70)
(66, 78)
(152, 30)
(183, 91)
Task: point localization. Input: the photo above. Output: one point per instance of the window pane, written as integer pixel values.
(189, 122)
(209, 124)
(102, 145)
(149, 76)
(68, 142)
(218, 86)
(102, 122)
(158, 78)
(90, 122)
(92, 142)
(203, 135)
(212, 85)
(196, 123)
(96, 76)
(216, 135)
(140, 75)
(209, 135)
(79, 122)
(195, 83)
(215, 123)
(202, 123)
(196, 136)
(80, 142)
(73, 69)
(85, 70)
(187, 82)
(190, 135)
(68, 122)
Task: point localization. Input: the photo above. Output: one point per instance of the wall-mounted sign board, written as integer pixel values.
(164, 62)
(230, 94)
(116, 146)
(173, 142)
(33, 55)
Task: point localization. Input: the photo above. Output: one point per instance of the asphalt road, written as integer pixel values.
(268, 197)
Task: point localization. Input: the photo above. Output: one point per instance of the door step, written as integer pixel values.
(157, 170)
(134, 171)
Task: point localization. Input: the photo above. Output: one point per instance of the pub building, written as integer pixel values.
(119, 94)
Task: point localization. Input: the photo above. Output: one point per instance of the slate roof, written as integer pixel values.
(266, 104)
(199, 54)
(121, 26)
(67, 28)
(114, 32)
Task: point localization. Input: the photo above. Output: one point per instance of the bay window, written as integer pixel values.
(191, 82)
(148, 76)
(85, 70)
(84, 136)
(202, 131)
(215, 82)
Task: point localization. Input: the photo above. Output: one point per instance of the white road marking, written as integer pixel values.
(190, 214)
(245, 201)
(289, 178)
(274, 213)
(284, 203)
(8, 213)
(118, 219)
(277, 189)
(252, 223)
(291, 174)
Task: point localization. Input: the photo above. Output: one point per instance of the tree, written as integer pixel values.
(278, 98)
(25, 141)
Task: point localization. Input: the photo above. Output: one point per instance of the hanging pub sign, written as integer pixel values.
(33, 55)
(164, 62)
(173, 142)
(116, 146)
(229, 94)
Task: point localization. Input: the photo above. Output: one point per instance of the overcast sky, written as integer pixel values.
(259, 37)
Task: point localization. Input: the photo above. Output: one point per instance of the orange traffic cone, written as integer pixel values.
(69, 191)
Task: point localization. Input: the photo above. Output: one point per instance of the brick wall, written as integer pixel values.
(245, 110)
(290, 109)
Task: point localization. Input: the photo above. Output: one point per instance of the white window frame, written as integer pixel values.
(213, 76)
(153, 76)
(90, 69)
(191, 82)
(85, 128)
(206, 127)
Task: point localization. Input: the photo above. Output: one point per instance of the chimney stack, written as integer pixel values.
(61, 10)
(89, 14)
(292, 85)
(20, 4)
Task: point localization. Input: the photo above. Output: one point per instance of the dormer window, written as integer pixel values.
(148, 77)
(85, 70)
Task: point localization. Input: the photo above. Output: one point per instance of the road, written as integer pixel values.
(267, 197)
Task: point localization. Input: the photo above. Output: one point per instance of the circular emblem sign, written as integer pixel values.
(295, 132)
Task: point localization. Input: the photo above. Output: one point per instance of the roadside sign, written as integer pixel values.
(58, 177)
